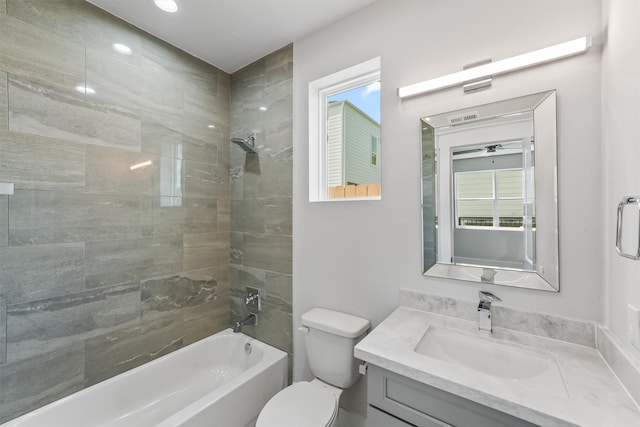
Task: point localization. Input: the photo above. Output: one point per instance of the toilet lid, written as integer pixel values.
(302, 404)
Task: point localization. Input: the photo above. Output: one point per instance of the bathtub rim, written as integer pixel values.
(275, 356)
(271, 356)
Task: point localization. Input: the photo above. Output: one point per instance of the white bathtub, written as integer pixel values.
(213, 382)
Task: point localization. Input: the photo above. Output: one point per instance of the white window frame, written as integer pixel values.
(319, 91)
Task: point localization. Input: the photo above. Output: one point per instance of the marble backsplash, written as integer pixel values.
(623, 364)
(541, 324)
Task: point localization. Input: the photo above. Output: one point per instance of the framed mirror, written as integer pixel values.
(489, 193)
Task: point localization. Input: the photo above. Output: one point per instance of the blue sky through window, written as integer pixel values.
(366, 98)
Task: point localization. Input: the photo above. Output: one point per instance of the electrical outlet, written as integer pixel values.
(633, 325)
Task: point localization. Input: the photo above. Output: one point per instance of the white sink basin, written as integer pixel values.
(489, 356)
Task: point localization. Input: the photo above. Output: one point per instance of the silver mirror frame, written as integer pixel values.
(543, 107)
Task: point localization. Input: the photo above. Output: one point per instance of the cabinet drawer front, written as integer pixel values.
(427, 406)
(377, 418)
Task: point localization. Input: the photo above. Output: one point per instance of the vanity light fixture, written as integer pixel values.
(483, 82)
(122, 48)
(529, 59)
(167, 5)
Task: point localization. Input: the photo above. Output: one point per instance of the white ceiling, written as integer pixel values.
(231, 34)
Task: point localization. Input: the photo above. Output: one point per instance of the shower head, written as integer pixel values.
(248, 144)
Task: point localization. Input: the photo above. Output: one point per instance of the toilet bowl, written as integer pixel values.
(303, 404)
(329, 340)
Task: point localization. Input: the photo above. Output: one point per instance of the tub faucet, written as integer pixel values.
(484, 311)
(251, 319)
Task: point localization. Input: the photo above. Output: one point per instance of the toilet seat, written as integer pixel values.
(303, 404)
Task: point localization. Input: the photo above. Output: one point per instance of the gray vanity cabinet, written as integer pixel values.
(397, 401)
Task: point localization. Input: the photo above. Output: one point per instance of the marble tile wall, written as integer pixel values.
(4, 221)
(103, 266)
(261, 195)
(3, 100)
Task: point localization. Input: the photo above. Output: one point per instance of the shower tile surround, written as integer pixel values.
(261, 195)
(104, 267)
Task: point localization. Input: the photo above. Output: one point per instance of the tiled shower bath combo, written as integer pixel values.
(115, 246)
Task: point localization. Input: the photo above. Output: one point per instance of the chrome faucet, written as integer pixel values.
(484, 311)
(251, 319)
(253, 299)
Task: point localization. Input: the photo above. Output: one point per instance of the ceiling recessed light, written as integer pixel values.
(263, 108)
(167, 5)
(85, 89)
(122, 48)
(211, 126)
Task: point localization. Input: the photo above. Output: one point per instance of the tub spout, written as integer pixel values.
(251, 319)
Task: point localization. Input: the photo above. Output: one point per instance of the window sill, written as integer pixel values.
(350, 199)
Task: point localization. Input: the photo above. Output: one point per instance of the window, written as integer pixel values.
(344, 134)
(490, 199)
(374, 151)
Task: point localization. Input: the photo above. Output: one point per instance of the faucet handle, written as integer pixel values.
(487, 297)
(253, 298)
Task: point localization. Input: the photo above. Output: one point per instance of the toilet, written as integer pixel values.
(329, 339)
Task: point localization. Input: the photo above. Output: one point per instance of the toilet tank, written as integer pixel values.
(329, 342)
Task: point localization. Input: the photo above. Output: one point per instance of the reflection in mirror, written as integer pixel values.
(489, 193)
(493, 209)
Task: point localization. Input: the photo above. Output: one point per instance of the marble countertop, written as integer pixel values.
(594, 396)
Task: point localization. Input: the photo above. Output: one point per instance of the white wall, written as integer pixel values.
(339, 261)
(621, 152)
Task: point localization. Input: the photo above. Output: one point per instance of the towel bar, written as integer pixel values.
(627, 200)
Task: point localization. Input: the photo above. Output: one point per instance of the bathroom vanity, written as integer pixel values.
(428, 370)
(394, 399)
